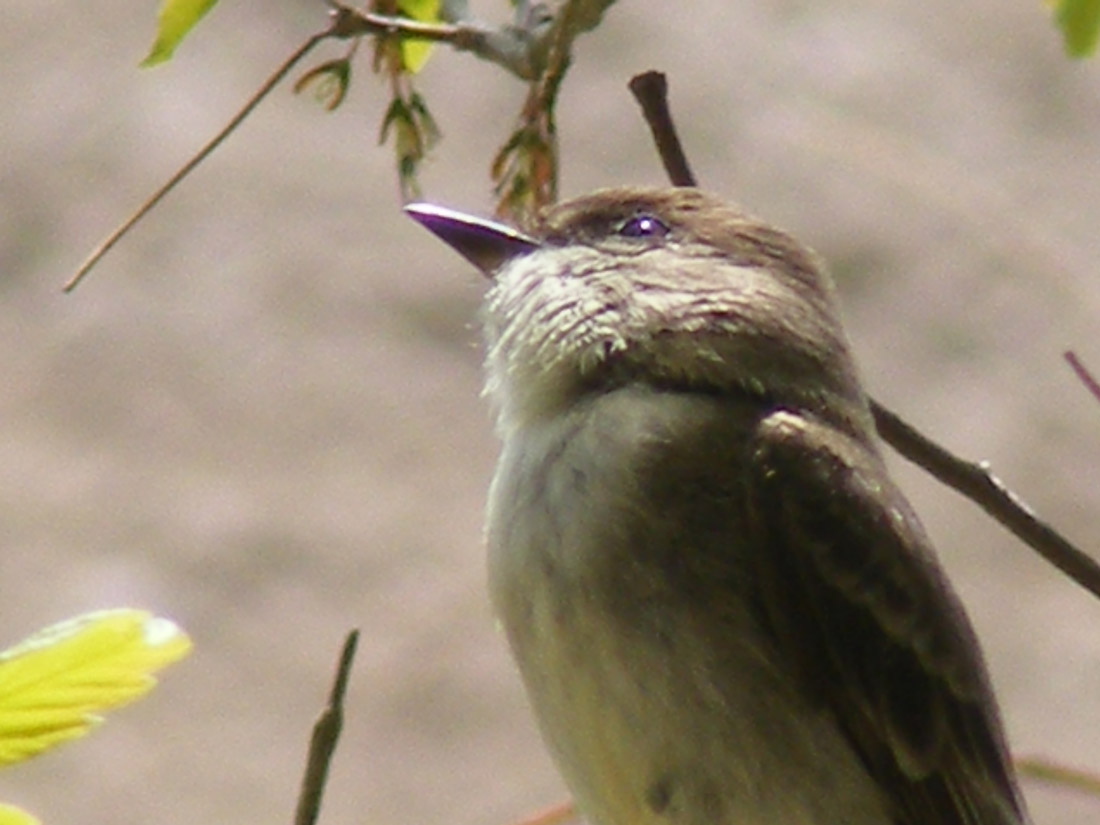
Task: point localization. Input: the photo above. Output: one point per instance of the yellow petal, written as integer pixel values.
(53, 683)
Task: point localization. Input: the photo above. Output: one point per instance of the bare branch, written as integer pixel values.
(1037, 767)
(322, 744)
(978, 484)
(650, 89)
(511, 46)
(554, 815)
(1087, 378)
(526, 48)
(525, 169)
(974, 481)
(521, 47)
(198, 158)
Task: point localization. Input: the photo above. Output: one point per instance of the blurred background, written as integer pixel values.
(260, 414)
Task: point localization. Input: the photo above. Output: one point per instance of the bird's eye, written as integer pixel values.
(643, 226)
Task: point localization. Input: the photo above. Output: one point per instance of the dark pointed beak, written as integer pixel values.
(486, 244)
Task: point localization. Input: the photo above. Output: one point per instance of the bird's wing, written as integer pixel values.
(859, 606)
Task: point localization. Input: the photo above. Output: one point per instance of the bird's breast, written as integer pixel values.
(618, 567)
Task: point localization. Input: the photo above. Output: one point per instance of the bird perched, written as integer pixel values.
(723, 609)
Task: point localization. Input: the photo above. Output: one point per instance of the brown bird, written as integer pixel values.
(723, 609)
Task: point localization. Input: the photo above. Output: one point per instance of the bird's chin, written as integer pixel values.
(561, 323)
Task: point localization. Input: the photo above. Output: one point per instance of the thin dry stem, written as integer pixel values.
(326, 733)
(650, 89)
(1083, 373)
(554, 815)
(199, 157)
(509, 46)
(1054, 773)
(977, 483)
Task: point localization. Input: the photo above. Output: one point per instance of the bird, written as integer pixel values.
(723, 609)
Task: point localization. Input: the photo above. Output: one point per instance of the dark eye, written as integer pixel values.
(643, 226)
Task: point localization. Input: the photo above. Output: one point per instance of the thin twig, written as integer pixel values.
(1087, 378)
(650, 89)
(322, 743)
(508, 46)
(515, 46)
(355, 23)
(525, 169)
(1037, 767)
(558, 57)
(541, 102)
(198, 158)
(977, 483)
(554, 815)
(974, 481)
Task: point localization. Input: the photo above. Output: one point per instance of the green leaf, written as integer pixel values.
(1079, 21)
(424, 120)
(415, 53)
(396, 113)
(329, 81)
(175, 19)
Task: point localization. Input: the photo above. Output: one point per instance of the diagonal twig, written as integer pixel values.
(1054, 773)
(554, 815)
(977, 483)
(512, 46)
(1083, 373)
(650, 89)
(198, 158)
(322, 743)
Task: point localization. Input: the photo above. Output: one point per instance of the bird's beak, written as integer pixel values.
(486, 244)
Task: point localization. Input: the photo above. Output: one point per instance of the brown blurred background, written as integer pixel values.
(260, 415)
